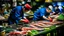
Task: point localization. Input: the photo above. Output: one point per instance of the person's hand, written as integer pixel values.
(24, 20)
(46, 17)
(50, 19)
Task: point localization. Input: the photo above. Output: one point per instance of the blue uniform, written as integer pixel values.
(62, 10)
(40, 13)
(15, 15)
(57, 11)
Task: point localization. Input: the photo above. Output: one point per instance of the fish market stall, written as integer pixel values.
(37, 28)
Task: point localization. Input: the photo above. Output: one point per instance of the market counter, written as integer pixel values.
(54, 30)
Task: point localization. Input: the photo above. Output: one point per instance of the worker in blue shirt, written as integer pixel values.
(18, 12)
(57, 10)
(42, 14)
(62, 9)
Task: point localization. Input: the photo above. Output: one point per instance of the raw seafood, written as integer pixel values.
(33, 26)
(18, 33)
(29, 28)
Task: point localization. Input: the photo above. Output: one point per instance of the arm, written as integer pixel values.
(42, 14)
(18, 14)
(23, 17)
(45, 18)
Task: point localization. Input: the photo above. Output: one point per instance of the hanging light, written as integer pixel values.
(48, 0)
(37, 0)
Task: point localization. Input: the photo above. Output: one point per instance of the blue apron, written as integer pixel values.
(39, 14)
(15, 15)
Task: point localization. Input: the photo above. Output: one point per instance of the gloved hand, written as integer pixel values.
(25, 20)
(50, 19)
